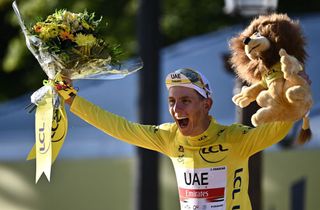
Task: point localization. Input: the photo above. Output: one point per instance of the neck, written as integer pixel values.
(204, 126)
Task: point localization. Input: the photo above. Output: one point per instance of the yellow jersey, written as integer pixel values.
(211, 169)
(273, 74)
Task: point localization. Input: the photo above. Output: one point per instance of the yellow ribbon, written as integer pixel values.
(51, 130)
(59, 131)
(43, 149)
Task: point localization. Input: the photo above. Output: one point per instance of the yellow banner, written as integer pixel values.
(58, 133)
(51, 130)
(43, 126)
(58, 130)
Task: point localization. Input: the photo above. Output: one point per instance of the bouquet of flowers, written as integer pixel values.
(68, 45)
(73, 42)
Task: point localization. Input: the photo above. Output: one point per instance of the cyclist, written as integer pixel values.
(210, 159)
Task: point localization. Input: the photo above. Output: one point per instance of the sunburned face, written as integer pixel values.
(189, 110)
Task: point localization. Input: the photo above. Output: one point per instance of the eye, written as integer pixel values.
(171, 102)
(257, 34)
(186, 101)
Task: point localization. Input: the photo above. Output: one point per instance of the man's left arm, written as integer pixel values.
(250, 140)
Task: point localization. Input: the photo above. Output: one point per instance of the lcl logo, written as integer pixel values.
(43, 149)
(58, 128)
(214, 153)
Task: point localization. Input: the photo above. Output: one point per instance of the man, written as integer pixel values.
(210, 160)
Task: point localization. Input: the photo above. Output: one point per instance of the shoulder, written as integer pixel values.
(168, 126)
(238, 129)
(268, 130)
(166, 129)
(229, 131)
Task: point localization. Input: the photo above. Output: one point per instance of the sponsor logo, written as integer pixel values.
(202, 188)
(155, 128)
(175, 76)
(42, 138)
(202, 138)
(245, 129)
(214, 153)
(220, 132)
(196, 178)
(237, 180)
(181, 154)
(56, 134)
(181, 149)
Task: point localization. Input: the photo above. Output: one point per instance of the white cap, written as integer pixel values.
(189, 78)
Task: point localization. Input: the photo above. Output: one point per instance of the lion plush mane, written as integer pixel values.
(283, 49)
(281, 31)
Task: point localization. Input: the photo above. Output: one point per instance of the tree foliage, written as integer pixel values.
(20, 72)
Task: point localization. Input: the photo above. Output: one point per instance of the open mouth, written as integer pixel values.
(254, 48)
(183, 122)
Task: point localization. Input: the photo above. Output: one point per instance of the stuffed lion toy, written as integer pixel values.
(269, 55)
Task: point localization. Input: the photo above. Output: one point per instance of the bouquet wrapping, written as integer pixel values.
(67, 45)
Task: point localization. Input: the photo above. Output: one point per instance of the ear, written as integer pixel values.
(207, 104)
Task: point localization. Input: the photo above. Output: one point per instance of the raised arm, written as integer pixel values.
(146, 136)
(250, 140)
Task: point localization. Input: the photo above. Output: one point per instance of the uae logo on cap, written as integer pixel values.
(175, 76)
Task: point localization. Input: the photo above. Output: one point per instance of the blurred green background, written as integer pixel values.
(20, 71)
(83, 184)
(108, 183)
(98, 184)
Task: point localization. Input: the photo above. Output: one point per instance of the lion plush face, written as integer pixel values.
(255, 44)
(256, 49)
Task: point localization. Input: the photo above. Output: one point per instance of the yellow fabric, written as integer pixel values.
(51, 128)
(44, 115)
(211, 169)
(65, 90)
(273, 74)
(59, 131)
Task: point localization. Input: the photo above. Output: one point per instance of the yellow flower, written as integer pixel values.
(69, 16)
(49, 31)
(53, 30)
(85, 40)
(63, 27)
(85, 25)
(44, 34)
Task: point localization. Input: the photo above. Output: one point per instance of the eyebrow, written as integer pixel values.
(182, 97)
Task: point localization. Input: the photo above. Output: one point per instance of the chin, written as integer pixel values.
(185, 131)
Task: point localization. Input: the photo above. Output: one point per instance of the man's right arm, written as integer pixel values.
(146, 136)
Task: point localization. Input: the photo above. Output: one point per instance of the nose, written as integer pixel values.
(246, 40)
(177, 107)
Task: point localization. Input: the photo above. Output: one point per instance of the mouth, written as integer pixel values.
(183, 122)
(254, 48)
